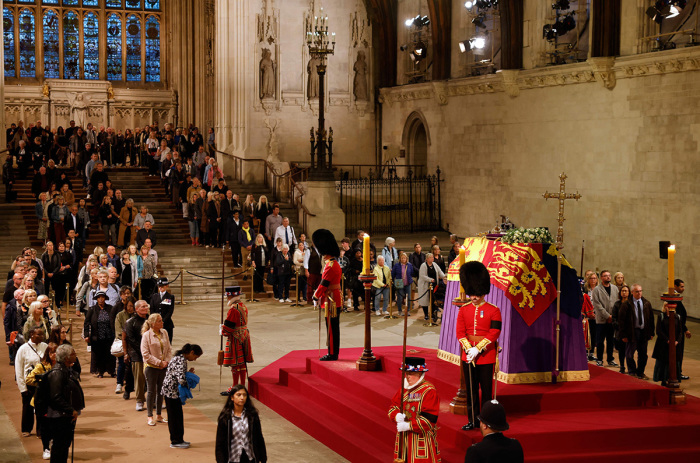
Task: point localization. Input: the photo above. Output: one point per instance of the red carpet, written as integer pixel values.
(612, 417)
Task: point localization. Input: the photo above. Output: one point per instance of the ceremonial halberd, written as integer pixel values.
(523, 286)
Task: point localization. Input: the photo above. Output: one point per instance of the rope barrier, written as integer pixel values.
(175, 279)
(217, 278)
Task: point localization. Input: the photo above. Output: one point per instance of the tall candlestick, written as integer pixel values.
(671, 256)
(365, 254)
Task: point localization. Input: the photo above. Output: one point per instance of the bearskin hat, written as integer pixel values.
(475, 278)
(325, 243)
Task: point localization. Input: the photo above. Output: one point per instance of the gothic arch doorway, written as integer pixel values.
(416, 139)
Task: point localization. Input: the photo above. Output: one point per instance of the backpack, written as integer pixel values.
(42, 395)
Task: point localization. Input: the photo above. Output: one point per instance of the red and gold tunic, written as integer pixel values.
(479, 327)
(421, 406)
(330, 284)
(238, 351)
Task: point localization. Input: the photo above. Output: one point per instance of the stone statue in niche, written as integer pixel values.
(272, 143)
(267, 75)
(312, 88)
(359, 85)
(79, 105)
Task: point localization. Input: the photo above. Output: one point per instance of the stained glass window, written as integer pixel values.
(71, 46)
(26, 1)
(133, 48)
(8, 24)
(52, 63)
(114, 3)
(152, 49)
(114, 47)
(90, 2)
(50, 2)
(27, 44)
(152, 4)
(133, 4)
(70, 2)
(91, 47)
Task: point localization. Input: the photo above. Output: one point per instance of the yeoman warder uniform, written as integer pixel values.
(416, 437)
(238, 352)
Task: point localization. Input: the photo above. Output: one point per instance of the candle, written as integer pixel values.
(462, 259)
(671, 255)
(365, 254)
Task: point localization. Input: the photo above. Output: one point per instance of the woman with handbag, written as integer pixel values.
(122, 371)
(155, 349)
(41, 368)
(402, 275)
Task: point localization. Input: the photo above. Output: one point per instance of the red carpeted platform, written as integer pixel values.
(611, 418)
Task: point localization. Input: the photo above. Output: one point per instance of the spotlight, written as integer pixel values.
(561, 5)
(419, 52)
(469, 5)
(483, 4)
(673, 13)
(549, 32)
(478, 20)
(474, 44)
(409, 22)
(663, 9)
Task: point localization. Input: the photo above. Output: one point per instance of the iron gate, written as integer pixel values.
(392, 205)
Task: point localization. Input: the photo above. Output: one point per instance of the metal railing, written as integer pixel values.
(284, 186)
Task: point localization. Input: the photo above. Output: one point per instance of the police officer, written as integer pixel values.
(495, 447)
(163, 303)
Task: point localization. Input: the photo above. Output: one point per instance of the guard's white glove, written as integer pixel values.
(403, 427)
(472, 352)
(400, 417)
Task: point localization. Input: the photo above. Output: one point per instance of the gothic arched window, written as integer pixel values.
(114, 47)
(91, 47)
(27, 44)
(133, 48)
(152, 50)
(90, 2)
(52, 60)
(8, 35)
(71, 46)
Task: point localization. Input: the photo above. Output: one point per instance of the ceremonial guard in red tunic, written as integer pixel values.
(237, 353)
(478, 328)
(329, 289)
(416, 436)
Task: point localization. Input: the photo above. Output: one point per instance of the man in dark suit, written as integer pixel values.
(233, 226)
(228, 204)
(163, 303)
(636, 324)
(73, 222)
(679, 286)
(146, 233)
(495, 447)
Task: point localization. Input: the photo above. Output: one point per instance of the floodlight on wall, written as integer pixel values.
(419, 22)
(549, 32)
(481, 4)
(561, 5)
(478, 20)
(473, 44)
(665, 9)
(419, 52)
(468, 5)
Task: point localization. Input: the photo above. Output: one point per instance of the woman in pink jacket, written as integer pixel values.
(156, 352)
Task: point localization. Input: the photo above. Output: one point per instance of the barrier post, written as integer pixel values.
(182, 286)
(70, 330)
(140, 288)
(251, 298)
(391, 304)
(296, 304)
(430, 309)
(67, 298)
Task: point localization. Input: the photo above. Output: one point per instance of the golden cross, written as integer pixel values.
(561, 196)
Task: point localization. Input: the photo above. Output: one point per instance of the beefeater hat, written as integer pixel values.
(325, 243)
(475, 279)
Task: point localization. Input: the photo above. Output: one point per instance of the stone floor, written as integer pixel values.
(110, 429)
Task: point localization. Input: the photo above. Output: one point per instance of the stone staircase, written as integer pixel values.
(173, 245)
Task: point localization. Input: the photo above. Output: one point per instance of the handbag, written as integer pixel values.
(398, 283)
(117, 348)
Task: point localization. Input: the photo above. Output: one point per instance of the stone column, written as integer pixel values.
(232, 83)
(3, 142)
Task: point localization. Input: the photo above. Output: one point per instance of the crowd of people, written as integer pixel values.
(618, 317)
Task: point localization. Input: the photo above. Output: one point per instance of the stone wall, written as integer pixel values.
(624, 131)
